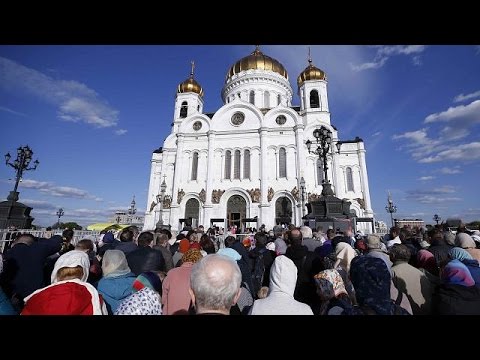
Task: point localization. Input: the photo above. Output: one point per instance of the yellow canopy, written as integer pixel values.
(105, 226)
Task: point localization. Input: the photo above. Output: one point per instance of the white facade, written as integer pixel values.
(252, 147)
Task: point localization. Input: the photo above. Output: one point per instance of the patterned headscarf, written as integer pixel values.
(184, 246)
(371, 279)
(192, 255)
(329, 284)
(143, 302)
(455, 272)
(459, 254)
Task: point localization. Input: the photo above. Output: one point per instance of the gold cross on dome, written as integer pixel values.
(193, 67)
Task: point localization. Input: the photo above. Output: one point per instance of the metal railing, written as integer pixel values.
(7, 236)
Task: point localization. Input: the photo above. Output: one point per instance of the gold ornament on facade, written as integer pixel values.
(255, 194)
(180, 195)
(167, 201)
(190, 85)
(311, 72)
(295, 193)
(202, 195)
(361, 202)
(216, 195)
(270, 194)
(313, 196)
(257, 61)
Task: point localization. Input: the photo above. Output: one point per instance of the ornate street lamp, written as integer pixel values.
(391, 208)
(436, 218)
(21, 164)
(59, 213)
(302, 192)
(160, 197)
(323, 141)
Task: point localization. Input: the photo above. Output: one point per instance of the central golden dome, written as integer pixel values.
(257, 61)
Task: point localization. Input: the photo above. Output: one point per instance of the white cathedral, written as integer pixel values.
(243, 164)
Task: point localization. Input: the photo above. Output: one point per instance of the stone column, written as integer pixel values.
(207, 206)
(364, 178)
(263, 176)
(175, 207)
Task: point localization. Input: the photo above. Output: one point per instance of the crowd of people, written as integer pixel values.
(283, 271)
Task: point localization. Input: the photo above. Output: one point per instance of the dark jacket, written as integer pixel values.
(267, 261)
(145, 259)
(23, 266)
(126, 246)
(453, 299)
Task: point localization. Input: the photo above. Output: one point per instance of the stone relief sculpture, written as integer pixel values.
(202, 195)
(270, 194)
(167, 201)
(255, 194)
(152, 205)
(361, 202)
(295, 193)
(180, 195)
(216, 195)
(312, 197)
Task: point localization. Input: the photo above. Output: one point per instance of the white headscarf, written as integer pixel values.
(114, 264)
(345, 254)
(72, 259)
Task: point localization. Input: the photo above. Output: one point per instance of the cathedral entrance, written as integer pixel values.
(236, 211)
(283, 211)
(192, 212)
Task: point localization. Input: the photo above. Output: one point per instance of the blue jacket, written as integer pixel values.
(6, 307)
(115, 289)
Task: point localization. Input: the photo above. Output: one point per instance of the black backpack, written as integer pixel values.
(258, 272)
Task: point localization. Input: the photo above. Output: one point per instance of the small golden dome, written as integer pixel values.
(190, 85)
(311, 72)
(257, 61)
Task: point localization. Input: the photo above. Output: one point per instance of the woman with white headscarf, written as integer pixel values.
(117, 280)
(69, 293)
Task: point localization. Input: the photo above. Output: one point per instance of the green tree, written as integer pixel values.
(68, 225)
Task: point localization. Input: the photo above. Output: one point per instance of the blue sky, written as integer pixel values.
(94, 114)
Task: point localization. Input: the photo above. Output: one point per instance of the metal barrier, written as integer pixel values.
(7, 236)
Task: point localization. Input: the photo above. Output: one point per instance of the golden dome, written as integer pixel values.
(257, 61)
(311, 72)
(190, 85)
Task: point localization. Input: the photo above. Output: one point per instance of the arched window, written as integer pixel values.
(266, 99)
(279, 99)
(252, 97)
(319, 172)
(228, 164)
(314, 101)
(349, 179)
(194, 166)
(184, 110)
(236, 165)
(198, 108)
(246, 164)
(282, 163)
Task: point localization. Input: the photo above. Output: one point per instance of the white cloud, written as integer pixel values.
(462, 115)
(464, 152)
(432, 196)
(419, 214)
(75, 101)
(426, 178)
(120, 132)
(376, 134)
(461, 97)
(450, 171)
(385, 52)
(60, 191)
(39, 204)
(3, 108)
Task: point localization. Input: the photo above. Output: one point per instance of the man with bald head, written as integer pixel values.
(215, 285)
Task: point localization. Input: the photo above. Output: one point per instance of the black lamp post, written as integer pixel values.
(21, 164)
(391, 208)
(160, 198)
(302, 192)
(436, 218)
(60, 213)
(323, 140)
